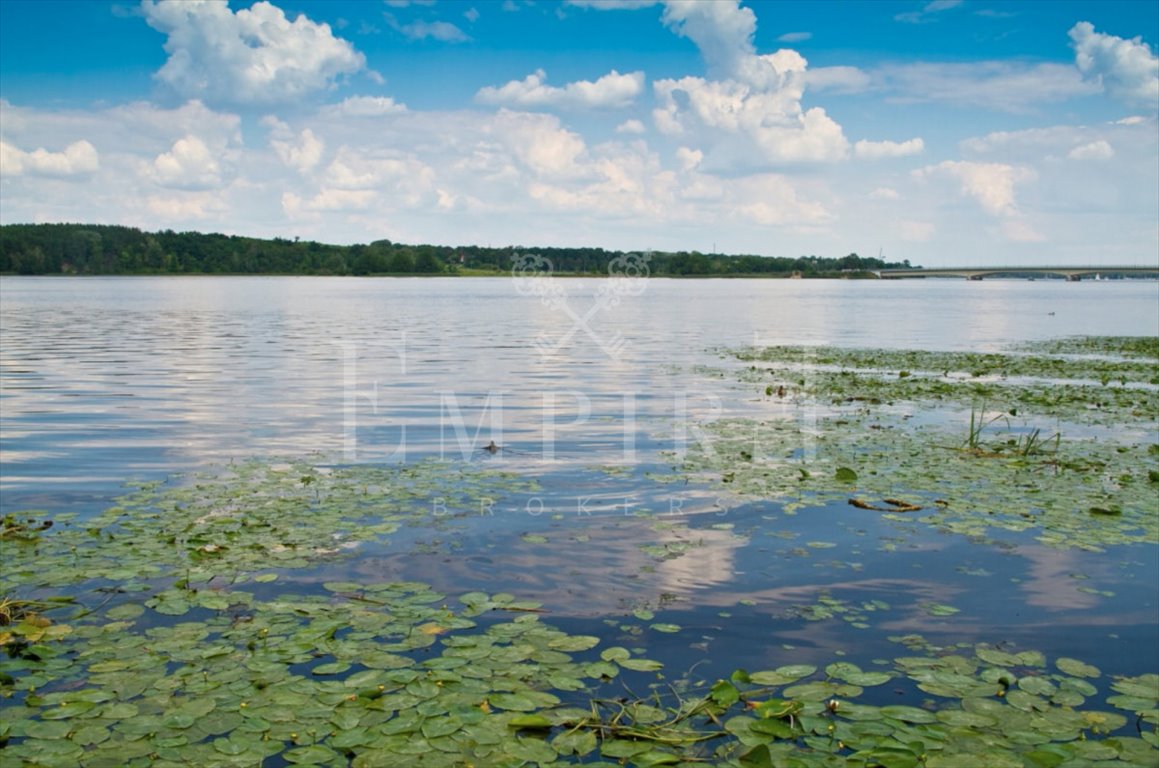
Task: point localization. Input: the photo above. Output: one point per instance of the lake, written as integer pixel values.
(597, 397)
(106, 378)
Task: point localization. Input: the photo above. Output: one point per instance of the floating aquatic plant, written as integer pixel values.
(1077, 492)
(378, 674)
(1093, 390)
(950, 489)
(1129, 347)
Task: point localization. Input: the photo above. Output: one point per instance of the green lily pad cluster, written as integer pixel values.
(23, 626)
(1087, 389)
(856, 613)
(1012, 467)
(384, 674)
(371, 673)
(1139, 347)
(1059, 497)
(254, 517)
(1038, 361)
(994, 706)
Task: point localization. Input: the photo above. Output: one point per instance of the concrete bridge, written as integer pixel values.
(1072, 274)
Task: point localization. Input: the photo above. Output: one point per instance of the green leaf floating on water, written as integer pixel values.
(125, 611)
(782, 675)
(572, 643)
(640, 665)
(332, 668)
(314, 754)
(940, 609)
(997, 657)
(574, 742)
(854, 675)
(513, 701)
(615, 653)
(845, 475)
(525, 721)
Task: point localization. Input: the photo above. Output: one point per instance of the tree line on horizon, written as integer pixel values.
(98, 249)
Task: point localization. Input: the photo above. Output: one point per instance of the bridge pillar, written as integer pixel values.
(1074, 278)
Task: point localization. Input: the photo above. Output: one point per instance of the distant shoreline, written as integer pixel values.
(449, 275)
(470, 275)
(98, 249)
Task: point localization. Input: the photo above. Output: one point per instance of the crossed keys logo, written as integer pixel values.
(627, 274)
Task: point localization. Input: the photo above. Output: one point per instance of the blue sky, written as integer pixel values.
(946, 131)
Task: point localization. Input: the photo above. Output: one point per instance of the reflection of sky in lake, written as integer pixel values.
(748, 579)
(105, 379)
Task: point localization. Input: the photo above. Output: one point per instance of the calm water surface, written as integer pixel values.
(104, 378)
(115, 378)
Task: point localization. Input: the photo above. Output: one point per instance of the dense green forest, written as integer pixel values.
(90, 249)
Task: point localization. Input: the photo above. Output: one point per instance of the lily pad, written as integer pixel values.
(641, 665)
(1076, 668)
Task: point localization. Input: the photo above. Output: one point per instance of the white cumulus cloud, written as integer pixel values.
(1096, 150)
(773, 200)
(188, 207)
(873, 150)
(991, 185)
(770, 124)
(631, 126)
(11, 160)
(722, 31)
(610, 91)
(365, 106)
(255, 55)
(689, 158)
(748, 111)
(77, 159)
(1127, 69)
(1135, 141)
(301, 152)
(540, 144)
(402, 174)
(327, 201)
(189, 164)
